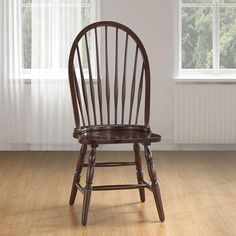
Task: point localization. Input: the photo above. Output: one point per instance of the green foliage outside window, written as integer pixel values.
(26, 36)
(197, 36)
(26, 26)
(228, 38)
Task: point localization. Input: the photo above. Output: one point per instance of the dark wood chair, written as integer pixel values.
(108, 105)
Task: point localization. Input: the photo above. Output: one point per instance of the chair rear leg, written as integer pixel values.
(155, 185)
(77, 175)
(88, 187)
(139, 170)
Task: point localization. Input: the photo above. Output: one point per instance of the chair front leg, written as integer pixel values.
(88, 187)
(139, 170)
(155, 185)
(77, 175)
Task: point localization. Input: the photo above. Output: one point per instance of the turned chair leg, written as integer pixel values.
(139, 170)
(155, 185)
(77, 175)
(88, 187)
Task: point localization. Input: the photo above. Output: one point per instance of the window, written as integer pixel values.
(207, 33)
(48, 28)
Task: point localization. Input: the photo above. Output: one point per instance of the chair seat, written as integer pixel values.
(116, 134)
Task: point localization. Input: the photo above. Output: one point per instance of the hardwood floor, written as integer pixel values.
(198, 191)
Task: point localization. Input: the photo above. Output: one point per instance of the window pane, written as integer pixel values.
(196, 1)
(43, 37)
(228, 37)
(49, 28)
(78, 17)
(26, 1)
(196, 37)
(85, 19)
(26, 36)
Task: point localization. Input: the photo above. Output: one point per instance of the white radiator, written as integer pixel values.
(205, 113)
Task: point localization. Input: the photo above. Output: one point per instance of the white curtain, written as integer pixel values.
(12, 92)
(35, 109)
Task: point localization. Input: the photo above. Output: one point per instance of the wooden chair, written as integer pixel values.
(107, 109)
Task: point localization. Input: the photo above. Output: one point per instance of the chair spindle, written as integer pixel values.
(99, 83)
(83, 85)
(140, 89)
(107, 79)
(79, 97)
(133, 85)
(116, 77)
(91, 80)
(124, 80)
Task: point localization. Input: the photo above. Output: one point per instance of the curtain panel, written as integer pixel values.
(35, 103)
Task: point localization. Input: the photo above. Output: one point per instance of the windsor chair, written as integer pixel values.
(104, 104)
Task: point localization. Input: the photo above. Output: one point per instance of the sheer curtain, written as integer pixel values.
(35, 105)
(12, 92)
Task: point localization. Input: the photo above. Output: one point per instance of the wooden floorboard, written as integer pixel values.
(198, 191)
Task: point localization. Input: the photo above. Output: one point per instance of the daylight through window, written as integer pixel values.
(48, 29)
(208, 34)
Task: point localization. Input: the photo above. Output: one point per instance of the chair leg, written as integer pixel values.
(139, 170)
(77, 175)
(155, 185)
(88, 187)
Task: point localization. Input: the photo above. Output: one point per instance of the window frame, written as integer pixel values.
(203, 74)
(28, 74)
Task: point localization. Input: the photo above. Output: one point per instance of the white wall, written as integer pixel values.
(153, 22)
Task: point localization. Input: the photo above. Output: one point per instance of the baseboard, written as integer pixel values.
(162, 146)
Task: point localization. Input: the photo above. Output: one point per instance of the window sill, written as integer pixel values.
(29, 76)
(205, 79)
(29, 81)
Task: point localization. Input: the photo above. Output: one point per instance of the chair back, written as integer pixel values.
(109, 77)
